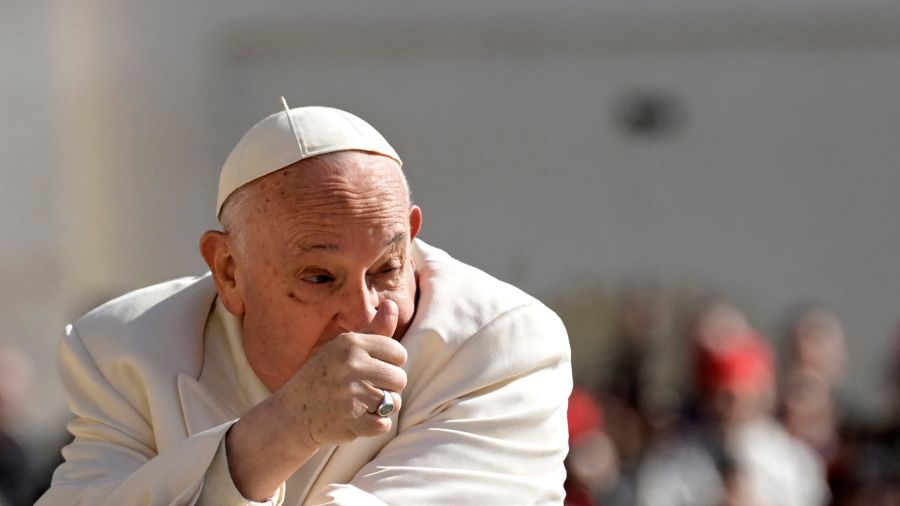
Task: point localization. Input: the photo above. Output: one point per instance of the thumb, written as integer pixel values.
(385, 321)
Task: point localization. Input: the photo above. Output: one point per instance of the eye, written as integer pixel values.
(315, 278)
(388, 269)
(387, 275)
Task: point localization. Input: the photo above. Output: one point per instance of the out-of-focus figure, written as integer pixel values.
(639, 391)
(592, 466)
(817, 343)
(809, 412)
(640, 395)
(735, 452)
(16, 485)
(644, 372)
(867, 470)
(812, 406)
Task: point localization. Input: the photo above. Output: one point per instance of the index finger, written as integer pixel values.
(384, 348)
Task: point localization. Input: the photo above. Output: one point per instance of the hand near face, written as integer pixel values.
(334, 395)
(330, 400)
(325, 233)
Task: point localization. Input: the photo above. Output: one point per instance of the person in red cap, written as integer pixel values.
(736, 379)
(593, 463)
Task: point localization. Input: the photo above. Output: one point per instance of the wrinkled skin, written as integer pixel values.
(316, 259)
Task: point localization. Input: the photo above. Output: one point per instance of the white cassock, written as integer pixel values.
(155, 379)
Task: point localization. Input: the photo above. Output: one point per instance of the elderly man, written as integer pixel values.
(329, 357)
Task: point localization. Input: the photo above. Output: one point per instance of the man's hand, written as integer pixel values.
(330, 400)
(335, 394)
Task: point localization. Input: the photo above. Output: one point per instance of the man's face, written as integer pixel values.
(322, 244)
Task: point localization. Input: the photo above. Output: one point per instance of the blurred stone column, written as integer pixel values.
(93, 118)
(31, 300)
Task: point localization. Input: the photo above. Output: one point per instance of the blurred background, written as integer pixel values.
(705, 190)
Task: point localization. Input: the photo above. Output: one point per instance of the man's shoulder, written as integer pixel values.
(476, 337)
(462, 300)
(127, 308)
(165, 318)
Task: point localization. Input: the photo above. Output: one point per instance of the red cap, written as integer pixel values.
(744, 365)
(584, 415)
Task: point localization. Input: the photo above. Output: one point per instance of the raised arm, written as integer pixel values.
(488, 427)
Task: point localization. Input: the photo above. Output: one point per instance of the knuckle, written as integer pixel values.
(352, 365)
(359, 352)
(342, 339)
(358, 364)
(350, 341)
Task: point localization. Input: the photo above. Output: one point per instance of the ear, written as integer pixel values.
(415, 221)
(216, 250)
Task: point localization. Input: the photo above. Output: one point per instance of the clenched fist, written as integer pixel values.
(335, 394)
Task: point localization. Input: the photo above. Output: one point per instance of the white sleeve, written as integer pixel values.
(113, 459)
(220, 490)
(494, 425)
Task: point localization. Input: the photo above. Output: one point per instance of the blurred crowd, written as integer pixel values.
(737, 428)
(26, 464)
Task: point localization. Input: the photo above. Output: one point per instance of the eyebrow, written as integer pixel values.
(319, 247)
(399, 237)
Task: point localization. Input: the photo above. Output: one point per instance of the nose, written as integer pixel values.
(358, 304)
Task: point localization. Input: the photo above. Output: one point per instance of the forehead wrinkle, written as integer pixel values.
(325, 217)
(339, 207)
(350, 190)
(347, 203)
(330, 181)
(316, 231)
(325, 170)
(347, 190)
(326, 193)
(345, 174)
(304, 245)
(318, 246)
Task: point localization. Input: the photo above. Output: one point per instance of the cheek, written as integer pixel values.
(273, 313)
(302, 311)
(294, 329)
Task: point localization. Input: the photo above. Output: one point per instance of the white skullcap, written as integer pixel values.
(279, 141)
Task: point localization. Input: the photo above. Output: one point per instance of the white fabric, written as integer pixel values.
(219, 490)
(483, 418)
(229, 376)
(780, 470)
(278, 141)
